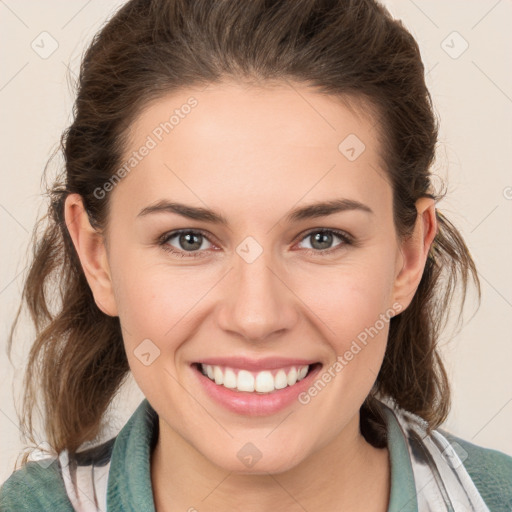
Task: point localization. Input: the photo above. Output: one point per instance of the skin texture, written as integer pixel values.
(253, 154)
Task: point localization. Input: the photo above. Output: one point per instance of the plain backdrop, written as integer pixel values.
(466, 47)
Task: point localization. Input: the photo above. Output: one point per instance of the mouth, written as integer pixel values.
(262, 382)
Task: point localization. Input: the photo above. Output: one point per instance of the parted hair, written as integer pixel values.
(353, 49)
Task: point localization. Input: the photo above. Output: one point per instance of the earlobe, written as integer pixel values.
(90, 247)
(415, 250)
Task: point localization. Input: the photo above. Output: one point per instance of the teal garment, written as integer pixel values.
(37, 488)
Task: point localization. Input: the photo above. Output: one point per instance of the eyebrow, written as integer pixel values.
(311, 211)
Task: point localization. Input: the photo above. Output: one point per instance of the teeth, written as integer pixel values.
(303, 372)
(261, 382)
(218, 375)
(264, 382)
(230, 378)
(280, 380)
(292, 376)
(245, 381)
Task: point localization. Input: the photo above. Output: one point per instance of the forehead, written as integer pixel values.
(263, 144)
(239, 112)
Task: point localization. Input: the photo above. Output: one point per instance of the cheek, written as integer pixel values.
(155, 317)
(351, 297)
(353, 308)
(152, 304)
(161, 303)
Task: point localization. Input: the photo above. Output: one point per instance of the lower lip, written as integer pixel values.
(255, 404)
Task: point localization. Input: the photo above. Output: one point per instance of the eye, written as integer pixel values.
(191, 242)
(322, 238)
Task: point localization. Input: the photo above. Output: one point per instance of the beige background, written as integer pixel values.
(472, 91)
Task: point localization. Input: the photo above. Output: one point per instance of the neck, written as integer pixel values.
(347, 474)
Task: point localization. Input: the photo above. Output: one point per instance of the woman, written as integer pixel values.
(246, 223)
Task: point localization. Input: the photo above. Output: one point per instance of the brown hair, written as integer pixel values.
(149, 48)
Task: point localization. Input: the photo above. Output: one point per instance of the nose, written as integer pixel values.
(257, 302)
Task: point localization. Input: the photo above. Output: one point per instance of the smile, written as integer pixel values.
(265, 381)
(254, 387)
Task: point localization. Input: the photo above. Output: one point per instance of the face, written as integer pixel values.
(247, 276)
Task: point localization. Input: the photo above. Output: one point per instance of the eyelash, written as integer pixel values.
(164, 239)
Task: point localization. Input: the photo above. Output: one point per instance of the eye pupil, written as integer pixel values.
(324, 238)
(185, 238)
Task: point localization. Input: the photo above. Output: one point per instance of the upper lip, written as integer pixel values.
(267, 363)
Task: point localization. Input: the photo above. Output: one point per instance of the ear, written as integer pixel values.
(414, 251)
(92, 252)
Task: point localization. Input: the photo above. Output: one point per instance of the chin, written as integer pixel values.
(250, 461)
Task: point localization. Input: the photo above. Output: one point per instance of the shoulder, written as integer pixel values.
(35, 486)
(490, 470)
